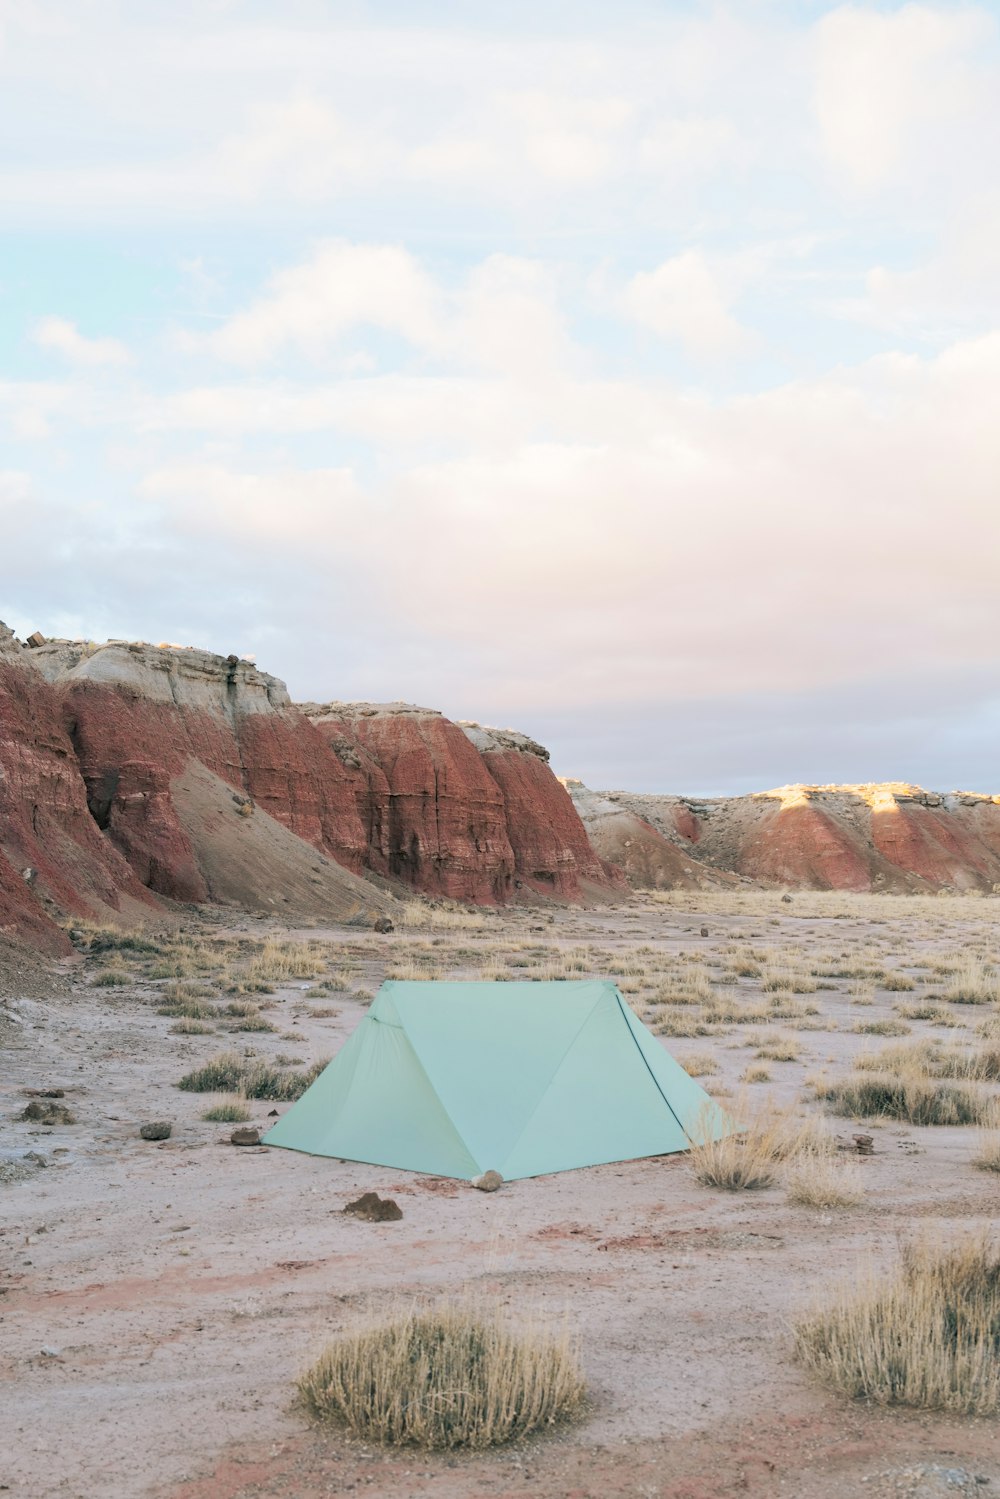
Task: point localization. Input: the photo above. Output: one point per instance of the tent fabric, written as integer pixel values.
(453, 1079)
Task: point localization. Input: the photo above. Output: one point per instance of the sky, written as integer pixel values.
(626, 374)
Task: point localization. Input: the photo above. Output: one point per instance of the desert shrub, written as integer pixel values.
(927, 1336)
(987, 1157)
(110, 978)
(776, 1048)
(757, 1072)
(190, 1028)
(973, 983)
(231, 1073)
(919, 1010)
(746, 1158)
(671, 1023)
(908, 1096)
(824, 1182)
(233, 1112)
(253, 1023)
(881, 1028)
(279, 960)
(187, 1009)
(446, 918)
(898, 983)
(699, 1064)
(446, 1376)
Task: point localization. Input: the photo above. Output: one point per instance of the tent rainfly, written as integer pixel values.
(454, 1079)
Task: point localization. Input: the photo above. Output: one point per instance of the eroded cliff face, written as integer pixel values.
(434, 817)
(552, 852)
(52, 855)
(892, 837)
(461, 810)
(138, 714)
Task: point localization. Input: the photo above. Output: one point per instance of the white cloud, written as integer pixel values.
(63, 337)
(341, 287)
(686, 299)
(890, 84)
(502, 317)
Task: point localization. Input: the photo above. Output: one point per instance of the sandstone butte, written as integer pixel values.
(133, 774)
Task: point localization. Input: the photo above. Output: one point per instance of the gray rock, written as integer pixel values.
(158, 1129)
(245, 1136)
(490, 1181)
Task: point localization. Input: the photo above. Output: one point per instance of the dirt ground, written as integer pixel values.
(157, 1300)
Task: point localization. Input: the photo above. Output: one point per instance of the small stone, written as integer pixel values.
(157, 1129)
(704, 931)
(375, 1209)
(245, 1136)
(490, 1181)
(383, 924)
(787, 899)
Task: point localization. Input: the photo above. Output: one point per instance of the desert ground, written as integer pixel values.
(159, 1299)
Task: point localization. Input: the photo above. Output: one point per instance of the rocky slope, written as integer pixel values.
(892, 837)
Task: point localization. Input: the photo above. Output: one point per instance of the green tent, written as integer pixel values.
(454, 1079)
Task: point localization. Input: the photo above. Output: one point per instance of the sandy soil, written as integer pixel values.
(158, 1300)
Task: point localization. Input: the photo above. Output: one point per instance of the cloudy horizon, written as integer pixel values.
(631, 379)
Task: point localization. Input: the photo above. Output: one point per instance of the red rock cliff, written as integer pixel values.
(52, 855)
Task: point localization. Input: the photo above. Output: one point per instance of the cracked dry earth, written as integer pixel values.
(157, 1300)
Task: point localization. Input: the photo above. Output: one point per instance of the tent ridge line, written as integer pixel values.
(656, 1084)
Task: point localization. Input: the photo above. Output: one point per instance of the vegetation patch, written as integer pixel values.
(929, 1336)
(447, 1376)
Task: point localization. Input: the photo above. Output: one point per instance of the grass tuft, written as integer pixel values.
(929, 1336)
(446, 1376)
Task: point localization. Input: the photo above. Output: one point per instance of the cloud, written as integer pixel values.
(63, 337)
(685, 299)
(890, 84)
(503, 316)
(339, 288)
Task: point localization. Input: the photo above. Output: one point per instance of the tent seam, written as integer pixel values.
(656, 1084)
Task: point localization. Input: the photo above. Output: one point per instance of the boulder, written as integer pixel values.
(244, 1135)
(158, 1129)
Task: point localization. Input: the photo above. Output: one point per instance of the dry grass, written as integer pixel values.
(973, 983)
(699, 1064)
(444, 918)
(746, 1159)
(824, 1182)
(928, 1336)
(757, 1073)
(987, 1157)
(909, 1096)
(775, 1048)
(231, 1073)
(279, 960)
(881, 1028)
(229, 1111)
(453, 1375)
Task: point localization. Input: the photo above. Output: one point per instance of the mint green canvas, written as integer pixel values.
(453, 1079)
